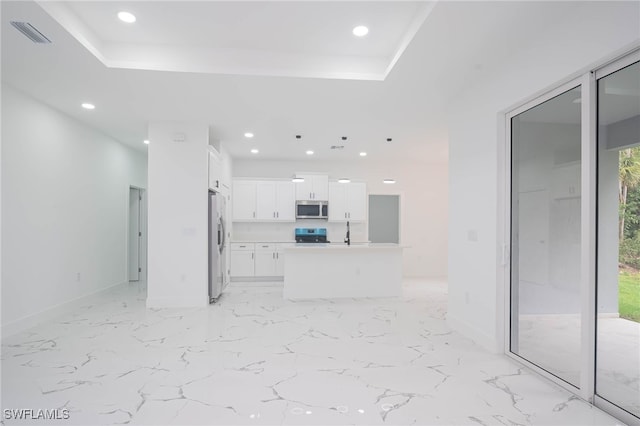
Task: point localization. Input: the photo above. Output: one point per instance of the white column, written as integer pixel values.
(178, 214)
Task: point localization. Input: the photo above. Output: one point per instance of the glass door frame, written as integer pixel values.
(587, 79)
(599, 73)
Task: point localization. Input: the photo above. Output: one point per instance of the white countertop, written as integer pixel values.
(342, 246)
(264, 241)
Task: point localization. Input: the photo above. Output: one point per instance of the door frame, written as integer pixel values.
(587, 79)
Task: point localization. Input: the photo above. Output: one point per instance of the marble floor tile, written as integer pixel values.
(256, 359)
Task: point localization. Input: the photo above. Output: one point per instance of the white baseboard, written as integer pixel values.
(158, 303)
(29, 321)
(478, 336)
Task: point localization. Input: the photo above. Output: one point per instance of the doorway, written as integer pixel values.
(384, 219)
(136, 236)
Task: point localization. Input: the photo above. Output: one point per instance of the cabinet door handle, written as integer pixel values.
(349, 215)
(277, 214)
(345, 215)
(251, 255)
(274, 214)
(277, 255)
(254, 214)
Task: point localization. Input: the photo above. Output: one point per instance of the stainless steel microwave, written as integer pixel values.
(312, 210)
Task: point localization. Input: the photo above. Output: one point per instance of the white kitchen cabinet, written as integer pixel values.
(280, 257)
(265, 265)
(215, 171)
(258, 259)
(242, 260)
(357, 202)
(347, 202)
(314, 187)
(275, 201)
(244, 200)
(266, 201)
(263, 201)
(286, 201)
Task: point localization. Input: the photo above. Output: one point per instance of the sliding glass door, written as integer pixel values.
(545, 235)
(573, 181)
(618, 319)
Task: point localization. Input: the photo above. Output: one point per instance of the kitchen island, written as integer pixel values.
(314, 271)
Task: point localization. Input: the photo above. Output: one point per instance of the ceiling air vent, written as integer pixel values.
(30, 32)
(337, 146)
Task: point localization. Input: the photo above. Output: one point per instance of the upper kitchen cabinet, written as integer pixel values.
(275, 201)
(263, 201)
(215, 170)
(314, 187)
(347, 202)
(244, 200)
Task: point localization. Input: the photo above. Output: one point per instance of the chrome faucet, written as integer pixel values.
(348, 237)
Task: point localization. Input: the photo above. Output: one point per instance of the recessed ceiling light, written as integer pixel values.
(360, 31)
(88, 106)
(297, 179)
(363, 154)
(309, 152)
(146, 141)
(248, 135)
(389, 139)
(254, 151)
(344, 180)
(389, 181)
(298, 136)
(344, 138)
(127, 17)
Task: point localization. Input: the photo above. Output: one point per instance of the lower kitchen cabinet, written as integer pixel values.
(242, 260)
(265, 260)
(257, 259)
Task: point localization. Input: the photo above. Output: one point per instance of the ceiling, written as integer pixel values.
(432, 52)
(292, 39)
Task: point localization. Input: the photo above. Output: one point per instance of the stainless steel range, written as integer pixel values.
(311, 235)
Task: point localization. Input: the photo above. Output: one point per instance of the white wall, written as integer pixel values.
(591, 32)
(178, 215)
(421, 185)
(65, 198)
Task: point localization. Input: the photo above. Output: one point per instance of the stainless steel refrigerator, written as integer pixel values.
(217, 277)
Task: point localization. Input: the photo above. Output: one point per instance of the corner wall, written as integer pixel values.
(594, 31)
(178, 215)
(65, 200)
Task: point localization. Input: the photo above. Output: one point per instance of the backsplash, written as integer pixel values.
(265, 231)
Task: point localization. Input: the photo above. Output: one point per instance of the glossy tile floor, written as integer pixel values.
(255, 358)
(553, 343)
